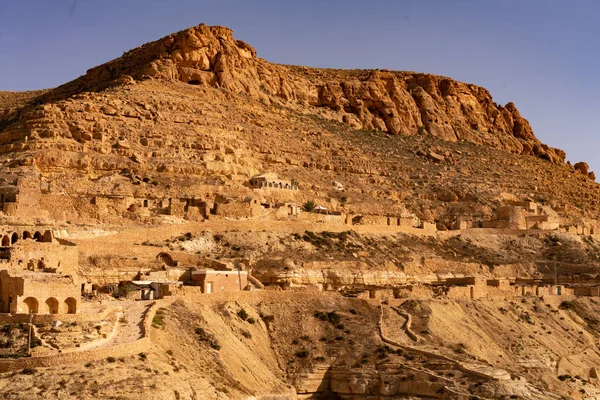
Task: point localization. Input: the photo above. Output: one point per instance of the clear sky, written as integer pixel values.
(541, 54)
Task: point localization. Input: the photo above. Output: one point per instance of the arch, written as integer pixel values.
(70, 305)
(47, 236)
(32, 305)
(52, 306)
(166, 258)
(27, 235)
(357, 220)
(37, 236)
(14, 237)
(5, 241)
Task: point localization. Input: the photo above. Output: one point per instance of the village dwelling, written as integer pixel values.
(270, 180)
(33, 293)
(154, 290)
(212, 281)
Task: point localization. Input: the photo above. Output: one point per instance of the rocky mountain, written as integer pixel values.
(444, 256)
(404, 103)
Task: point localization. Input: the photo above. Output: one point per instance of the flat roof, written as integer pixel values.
(212, 271)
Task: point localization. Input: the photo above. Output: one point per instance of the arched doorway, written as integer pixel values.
(52, 306)
(47, 237)
(70, 305)
(357, 220)
(5, 241)
(27, 235)
(32, 305)
(14, 237)
(37, 236)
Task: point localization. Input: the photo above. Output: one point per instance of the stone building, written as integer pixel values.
(212, 281)
(44, 293)
(272, 181)
(39, 276)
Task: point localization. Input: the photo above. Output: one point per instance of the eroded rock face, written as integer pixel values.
(394, 102)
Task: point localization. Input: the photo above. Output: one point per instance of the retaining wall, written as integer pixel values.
(49, 318)
(85, 356)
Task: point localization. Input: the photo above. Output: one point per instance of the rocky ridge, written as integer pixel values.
(394, 102)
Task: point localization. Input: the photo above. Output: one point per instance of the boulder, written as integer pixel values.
(582, 167)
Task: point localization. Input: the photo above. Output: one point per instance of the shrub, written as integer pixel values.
(246, 334)
(566, 305)
(204, 336)
(460, 348)
(111, 359)
(332, 317)
(28, 371)
(309, 206)
(170, 352)
(88, 365)
(352, 311)
(251, 320)
(268, 318)
(242, 314)
(143, 356)
(302, 353)
(159, 318)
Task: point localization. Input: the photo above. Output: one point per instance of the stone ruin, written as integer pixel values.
(39, 275)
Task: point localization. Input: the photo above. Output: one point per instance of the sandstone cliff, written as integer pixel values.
(395, 102)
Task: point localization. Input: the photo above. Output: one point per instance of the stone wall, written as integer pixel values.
(85, 356)
(234, 210)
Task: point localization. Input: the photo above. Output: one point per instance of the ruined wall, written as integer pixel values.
(84, 356)
(234, 210)
(321, 218)
(59, 258)
(374, 220)
(10, 288)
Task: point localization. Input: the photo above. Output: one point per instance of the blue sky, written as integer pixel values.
(541, 54)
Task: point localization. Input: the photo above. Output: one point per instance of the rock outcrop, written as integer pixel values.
(394, 102)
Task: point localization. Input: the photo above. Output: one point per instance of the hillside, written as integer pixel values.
(405, 236)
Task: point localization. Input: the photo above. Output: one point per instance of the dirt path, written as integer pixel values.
(130, 326)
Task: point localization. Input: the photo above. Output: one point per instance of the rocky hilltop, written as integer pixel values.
(195, 115)
(394, 102)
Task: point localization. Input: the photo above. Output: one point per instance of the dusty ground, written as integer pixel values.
(207, 347)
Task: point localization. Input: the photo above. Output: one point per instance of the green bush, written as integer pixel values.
(309, 206)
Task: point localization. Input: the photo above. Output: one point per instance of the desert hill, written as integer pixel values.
(406, 236)
(196, 114)
(395, 102)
